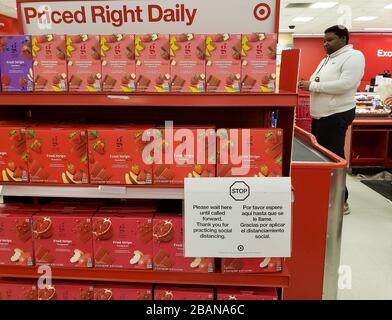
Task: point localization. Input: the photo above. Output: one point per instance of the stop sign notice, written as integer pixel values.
(239, 191)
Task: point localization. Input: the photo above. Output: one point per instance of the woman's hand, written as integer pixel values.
(304, 85)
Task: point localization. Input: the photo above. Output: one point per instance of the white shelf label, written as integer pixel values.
(112, 190)
(238, 217)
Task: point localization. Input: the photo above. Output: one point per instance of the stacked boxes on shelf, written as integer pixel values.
(61, 290)
(126, 63)
(134, 155)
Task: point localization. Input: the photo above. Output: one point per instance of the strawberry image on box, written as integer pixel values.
(84, 63)
(189, 152)
(67, 291)
(251, 265)
(259, 62)
(16, 243)
(168, 247)
(123, 240)
(63, 239)
(116, 156)
(183, 293)
(188, 70)
(152, 53)
(122, 292)
(18, 290)
(223, 63)
(16, 63)
(57, 155)
(49, 63)
(13, 155)
(252, 152)
(247, 294)
(118, 63)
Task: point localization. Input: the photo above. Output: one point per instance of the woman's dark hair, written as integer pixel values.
(340, 31)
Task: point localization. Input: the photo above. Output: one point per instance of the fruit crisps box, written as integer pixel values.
(188, 69)
(16, 63)
(246, 294)
(84, 63)
(118, 63)
(63, 240)
(152, 63)
(122, 292)
(223, 63)
(251, 265)
(13, 156)
(50, 64)
(57, 155)
(258, 62)
(123, 240)
(116, 156)
(16, 243)
(179, 293)
(168, 247)
(18, 290)
(67, 291)
(258, 153)
(193, 155)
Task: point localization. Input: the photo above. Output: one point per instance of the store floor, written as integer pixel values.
(367, 245)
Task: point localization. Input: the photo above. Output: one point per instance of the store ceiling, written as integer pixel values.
(322, 18)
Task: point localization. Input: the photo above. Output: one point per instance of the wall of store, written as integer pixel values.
(369, 44)
(8, 25)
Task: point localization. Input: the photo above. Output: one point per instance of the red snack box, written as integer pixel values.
(179, 293)
(246, 294)
(251, 265)
(116, 156)
(67, 291)
(63, 240)
(188, 69)
(84, 63)
(16, 243)
(123, 292)
(168, 248)
(152, 63)
(123, 240)
(118, 63)
(193, 156)
(265, 148)
(49, 63)
(13, 156)
(223, 66)
(259, 62)
(18, 290)
(57, 155)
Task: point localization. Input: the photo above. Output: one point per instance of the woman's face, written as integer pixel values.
(333, 43)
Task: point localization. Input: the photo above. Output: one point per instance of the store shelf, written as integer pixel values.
(278, 280)
(144, 100)
(109, 192)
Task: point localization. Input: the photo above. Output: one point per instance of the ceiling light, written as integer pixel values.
(365, 18)
(389, 6)
(323, 5)
(303, 19)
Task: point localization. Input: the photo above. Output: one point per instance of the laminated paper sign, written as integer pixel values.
(238, 217)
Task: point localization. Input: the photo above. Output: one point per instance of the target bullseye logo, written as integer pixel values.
(262, 11)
